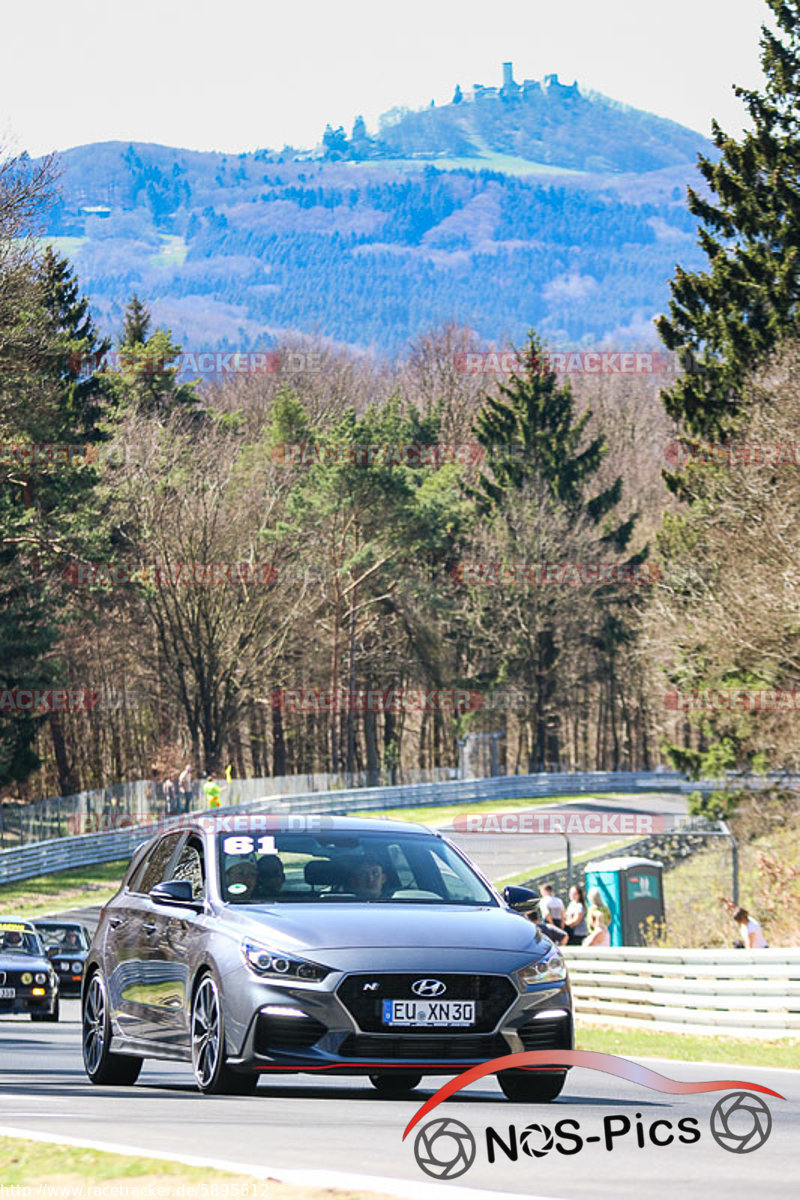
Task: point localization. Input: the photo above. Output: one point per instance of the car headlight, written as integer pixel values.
(550, 969)
(40, 977)
(27, 978)
(77, 968)
(276, 965)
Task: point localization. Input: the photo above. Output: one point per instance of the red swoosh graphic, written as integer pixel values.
(610, 1064)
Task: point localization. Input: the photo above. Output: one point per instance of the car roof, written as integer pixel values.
(290, 823)
(22, 921)
(55, 921)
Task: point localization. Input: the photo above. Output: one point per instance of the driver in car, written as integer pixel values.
(368, 880)
(71, 940)
(271, 877)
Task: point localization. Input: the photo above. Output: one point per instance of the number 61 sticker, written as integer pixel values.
(246, 845)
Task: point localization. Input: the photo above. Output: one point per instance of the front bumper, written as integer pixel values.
(25, 1003)
(69, 984)
(315, 1029)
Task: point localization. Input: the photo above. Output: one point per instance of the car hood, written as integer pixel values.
(23, 962)
(321, 927)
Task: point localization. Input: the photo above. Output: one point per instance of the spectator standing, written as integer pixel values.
(212, 790)
(598, 934)
(185, 787)
(751, 931)
(575, 919)
(551, 908)
(170, 796)
(596, 901)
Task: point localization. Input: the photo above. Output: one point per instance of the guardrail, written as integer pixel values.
(744, 993)
(56, 854)
(143, 800)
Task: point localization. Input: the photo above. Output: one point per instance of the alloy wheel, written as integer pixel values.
(205, 1032)
(94, 1024)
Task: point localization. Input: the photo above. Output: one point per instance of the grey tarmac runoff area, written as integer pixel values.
(336, 1129)
(339, 1126)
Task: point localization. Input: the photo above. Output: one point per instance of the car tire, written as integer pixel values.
(528, 1088)
(207, 1032)
(396, 1084)
(100, 1064)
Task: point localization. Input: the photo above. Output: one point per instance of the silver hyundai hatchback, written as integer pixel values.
(252, 944)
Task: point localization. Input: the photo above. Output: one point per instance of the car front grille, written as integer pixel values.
(424, 1048)
(493, 995)
(276, 1034)
(546, 1033)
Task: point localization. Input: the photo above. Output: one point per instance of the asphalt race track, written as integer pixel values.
(499, 855)
(337, 1125)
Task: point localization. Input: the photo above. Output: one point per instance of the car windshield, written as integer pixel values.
(66, 937)
(377, 867)
(16, 939)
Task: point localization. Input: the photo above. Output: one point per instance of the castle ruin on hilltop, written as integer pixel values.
(510, 90)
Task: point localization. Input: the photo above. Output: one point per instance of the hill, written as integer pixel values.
(536, 207)
(543, 122)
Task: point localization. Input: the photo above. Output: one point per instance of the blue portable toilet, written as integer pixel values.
(632, 890)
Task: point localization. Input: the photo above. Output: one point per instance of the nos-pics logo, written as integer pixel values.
(445, 1148)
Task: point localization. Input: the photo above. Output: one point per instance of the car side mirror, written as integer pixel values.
(521, 899)
(52, 951)
(175, 891)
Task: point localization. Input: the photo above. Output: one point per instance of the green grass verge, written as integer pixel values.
(442, 814)
(73, 888)
(28, 1162)
(73, 1169)
(633, 1043)
(559, 864)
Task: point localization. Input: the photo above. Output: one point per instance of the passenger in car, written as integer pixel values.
(240, 881)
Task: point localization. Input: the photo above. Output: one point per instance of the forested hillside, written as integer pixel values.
(563, 211)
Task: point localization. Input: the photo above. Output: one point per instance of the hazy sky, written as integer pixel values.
(240, 74)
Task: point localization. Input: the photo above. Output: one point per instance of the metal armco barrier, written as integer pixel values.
(738, 993)
(56, 854)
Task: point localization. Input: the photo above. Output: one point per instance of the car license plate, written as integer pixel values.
(428, 1012)
(7, 993)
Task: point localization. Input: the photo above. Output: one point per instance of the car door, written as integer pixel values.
(134, 929)
(183, 935)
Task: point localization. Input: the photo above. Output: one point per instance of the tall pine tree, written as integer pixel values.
(538, 445)
(724, 320)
